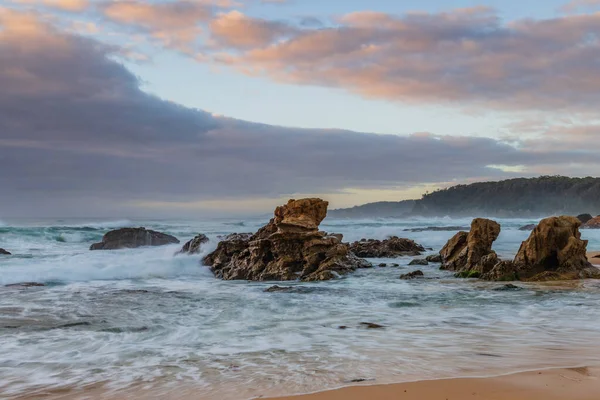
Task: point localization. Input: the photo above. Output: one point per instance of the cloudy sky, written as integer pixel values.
(210, 107)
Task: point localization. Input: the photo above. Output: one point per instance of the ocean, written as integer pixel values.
(147, 320)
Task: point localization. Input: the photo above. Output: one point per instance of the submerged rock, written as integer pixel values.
(471, 253)
(276, 288)
(129, 238)
(554, 251)
(435, 258)
(507, 287)
(529, 227)
(289, 247)
(25, 284)
(193, 246)
(4, 252)
(371, 325)
(412, 275)
(419, 261)
(388, 248)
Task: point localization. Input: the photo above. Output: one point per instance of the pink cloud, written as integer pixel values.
(234, 29)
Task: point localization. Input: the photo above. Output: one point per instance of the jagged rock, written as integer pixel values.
(412, 275)
(4, 252)
(554, 251)
(593, 223)
(471, 253)
(235, 236)
(529, 227)
(584, 218)
(435, 258)
(388, 248)
(193, 246)
(289, 247)
(128, 238)
(418, 261)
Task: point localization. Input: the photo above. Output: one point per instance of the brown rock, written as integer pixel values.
(471, 253)
(593, 223)
(435, 258)
(584, 218)
(388, 248)
(412, 275)
(554, 251)
(304, 214)
(128, 238)
(289, 247)
(193, 246)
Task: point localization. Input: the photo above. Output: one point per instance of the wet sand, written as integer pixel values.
(558, 384)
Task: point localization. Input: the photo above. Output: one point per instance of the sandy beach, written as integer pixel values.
(557, 384)
(594, 257)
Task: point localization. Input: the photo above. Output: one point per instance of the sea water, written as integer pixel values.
(145, 319)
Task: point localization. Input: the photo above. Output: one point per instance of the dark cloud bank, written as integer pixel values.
(79, 137)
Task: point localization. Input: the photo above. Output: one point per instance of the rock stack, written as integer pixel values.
(554, 251)
(470, 254)
(289, 247)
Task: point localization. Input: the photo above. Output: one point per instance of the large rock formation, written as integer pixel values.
(584, 218)
(128, 238)
(388, 248)
(470, 254)
(194, 246)
(593, 223)
(4, 252)
(289, 247)
(554, 251)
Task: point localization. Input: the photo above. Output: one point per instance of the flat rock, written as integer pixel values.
(419, 261)
(508, 287)
(25, 284)
(129, 238)
(412, 275)
(371, 325)
(388, 248)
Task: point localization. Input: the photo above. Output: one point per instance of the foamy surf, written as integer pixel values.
(144, 317)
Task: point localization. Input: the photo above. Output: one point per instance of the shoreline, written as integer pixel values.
(580, 383)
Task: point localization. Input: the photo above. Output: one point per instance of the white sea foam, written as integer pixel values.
(146, 315)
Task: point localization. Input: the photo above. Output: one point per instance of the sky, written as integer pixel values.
(123, 108)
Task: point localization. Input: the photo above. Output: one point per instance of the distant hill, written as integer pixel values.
(375, 210)
(520, 197)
